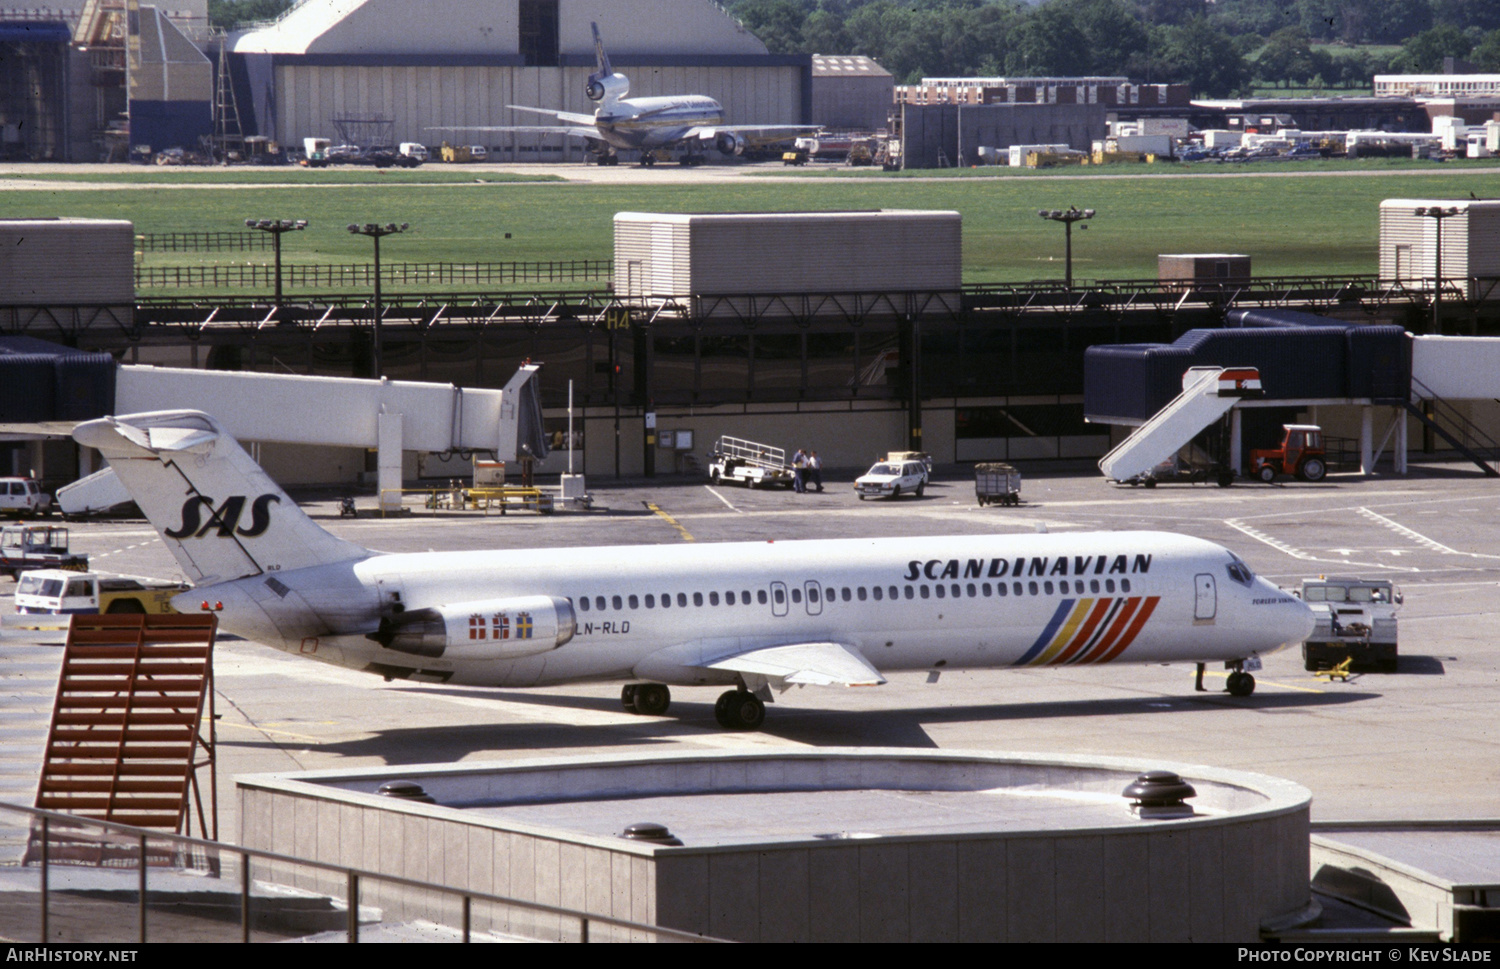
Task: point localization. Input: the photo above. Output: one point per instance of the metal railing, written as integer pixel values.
(201, 241)
(266, 896)
(300, 276)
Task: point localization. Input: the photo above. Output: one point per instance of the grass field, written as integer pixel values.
(1288, 223)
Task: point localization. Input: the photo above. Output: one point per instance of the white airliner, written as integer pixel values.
(756, 617)
(646, 124)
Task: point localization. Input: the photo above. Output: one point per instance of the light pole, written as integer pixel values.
(1437, 214)
(377, 232)
(1067, 217)
(277, 228)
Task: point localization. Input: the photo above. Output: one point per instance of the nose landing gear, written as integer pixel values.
(1240, 683)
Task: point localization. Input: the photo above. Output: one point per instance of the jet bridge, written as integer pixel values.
(1208, 393)
(45, 395)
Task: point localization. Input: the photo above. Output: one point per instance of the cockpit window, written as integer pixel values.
(1239, 571)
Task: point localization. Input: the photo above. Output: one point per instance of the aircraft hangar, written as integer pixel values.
(458, 63)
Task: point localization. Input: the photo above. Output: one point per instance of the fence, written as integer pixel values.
(143, 889)
(363, 274)
(201, 241)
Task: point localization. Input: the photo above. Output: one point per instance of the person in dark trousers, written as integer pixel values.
(815, 469)
(799, 471)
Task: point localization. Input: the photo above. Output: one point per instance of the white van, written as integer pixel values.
(21, 496)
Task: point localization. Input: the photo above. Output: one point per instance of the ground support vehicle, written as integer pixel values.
(57, 592)
(27, 547)
(996, 483)
(892, 479)
(1300, 453)
(1356, 622)
(22, 496)
(750, 463)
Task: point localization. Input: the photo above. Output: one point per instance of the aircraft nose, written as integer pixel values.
(1293, 621)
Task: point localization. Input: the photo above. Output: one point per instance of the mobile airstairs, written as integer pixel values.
(1208, 393)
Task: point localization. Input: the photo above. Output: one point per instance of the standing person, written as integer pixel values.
(815, 469)
(799, 471)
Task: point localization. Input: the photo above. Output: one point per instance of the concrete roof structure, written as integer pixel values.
(486, 27)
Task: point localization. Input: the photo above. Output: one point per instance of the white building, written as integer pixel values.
(453, 63)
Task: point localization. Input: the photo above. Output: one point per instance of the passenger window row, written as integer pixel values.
(834, 595)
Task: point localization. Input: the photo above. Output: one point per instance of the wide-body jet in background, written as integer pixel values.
(692, 122)
(756, 617)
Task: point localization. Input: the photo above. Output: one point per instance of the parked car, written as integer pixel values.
(22, 496)
(892, 479)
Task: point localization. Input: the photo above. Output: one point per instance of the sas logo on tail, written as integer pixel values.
(226, 517)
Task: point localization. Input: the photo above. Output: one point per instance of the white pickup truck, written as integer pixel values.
(56, 592)
(1356, 620)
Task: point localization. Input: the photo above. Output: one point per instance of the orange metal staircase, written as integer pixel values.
(126, 743)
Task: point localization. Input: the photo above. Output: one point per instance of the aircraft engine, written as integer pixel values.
(612, 86)
(485, 629)
(730, 143)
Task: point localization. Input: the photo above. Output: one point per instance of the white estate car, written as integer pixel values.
(21, 496)
(892, 479)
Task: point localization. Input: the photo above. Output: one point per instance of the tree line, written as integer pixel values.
(1219, 49)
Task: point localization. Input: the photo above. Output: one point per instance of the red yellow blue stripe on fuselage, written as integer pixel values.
(1090, 630)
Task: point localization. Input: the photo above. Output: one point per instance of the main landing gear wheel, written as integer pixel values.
(739, 710)
(652, 699)
(627, 696)
(1241, 684)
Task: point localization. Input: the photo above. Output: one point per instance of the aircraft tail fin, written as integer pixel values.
(219, 514)
(601, 59)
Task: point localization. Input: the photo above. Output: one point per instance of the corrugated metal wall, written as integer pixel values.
(417, 98)
(66, 262)
(1408, 242)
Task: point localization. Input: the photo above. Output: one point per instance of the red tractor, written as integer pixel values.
(1300, 454)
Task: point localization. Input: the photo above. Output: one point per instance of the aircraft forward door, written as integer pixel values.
(1206, 598)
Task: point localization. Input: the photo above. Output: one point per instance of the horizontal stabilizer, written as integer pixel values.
(804, 664)
(568, 116)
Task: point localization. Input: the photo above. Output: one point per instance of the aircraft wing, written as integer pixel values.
(756, 133)
(533, 129)
(803, 664)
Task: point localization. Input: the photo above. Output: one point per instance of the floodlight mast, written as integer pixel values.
(1437, 214)
(277, 228)
(1067, 217)
(377, 232)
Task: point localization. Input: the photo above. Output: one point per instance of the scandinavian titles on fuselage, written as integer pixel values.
(996, 568)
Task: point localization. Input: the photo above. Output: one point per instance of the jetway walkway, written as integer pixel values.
(1208, 393)
(390, 416)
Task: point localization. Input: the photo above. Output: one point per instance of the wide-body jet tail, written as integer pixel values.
(601, 59)
(221, 516)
